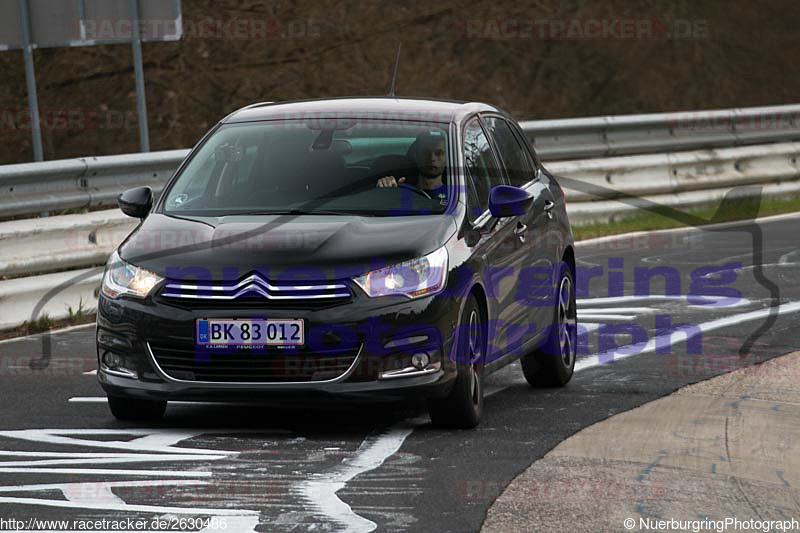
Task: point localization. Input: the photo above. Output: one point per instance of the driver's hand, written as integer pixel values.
(389, 181)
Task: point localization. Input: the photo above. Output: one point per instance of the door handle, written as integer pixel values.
(548, 208)
(520, 230)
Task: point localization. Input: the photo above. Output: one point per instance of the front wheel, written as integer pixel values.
(553, 362)
(135, 409)
(463, 407)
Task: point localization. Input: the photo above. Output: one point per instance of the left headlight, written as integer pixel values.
(417, 277)
(121, 278)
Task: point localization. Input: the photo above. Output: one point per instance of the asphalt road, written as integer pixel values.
(336, 468)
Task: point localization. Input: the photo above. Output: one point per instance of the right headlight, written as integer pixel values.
(122, 278)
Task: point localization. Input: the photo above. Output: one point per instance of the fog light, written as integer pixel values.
(117, 363)
(420, 360)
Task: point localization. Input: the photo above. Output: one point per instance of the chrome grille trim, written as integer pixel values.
(254, 284)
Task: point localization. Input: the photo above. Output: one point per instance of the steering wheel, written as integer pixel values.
(415, 189)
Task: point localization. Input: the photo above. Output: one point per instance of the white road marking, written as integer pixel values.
(321, 491)
(711, 325)
(110, 506)
(593, 310)
(621, 299)
(104, 472)
(583, 302)
(98, 495)
(790, 258)
(606, 317)
(589, 326)
(104, 399)
(150, 440)
(128, 458)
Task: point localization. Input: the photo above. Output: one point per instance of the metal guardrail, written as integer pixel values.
(94, 182)
(662, 132)
(86, 182)
(37, 246)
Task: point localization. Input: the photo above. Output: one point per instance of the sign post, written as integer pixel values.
(138, 69)
(30, 80)
(31, 24)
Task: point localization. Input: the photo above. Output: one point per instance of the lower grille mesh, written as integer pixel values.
(183, 361)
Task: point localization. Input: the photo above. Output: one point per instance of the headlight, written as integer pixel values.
(415, 278)
(124, 278)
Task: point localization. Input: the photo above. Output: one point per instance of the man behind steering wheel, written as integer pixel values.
(429, 153)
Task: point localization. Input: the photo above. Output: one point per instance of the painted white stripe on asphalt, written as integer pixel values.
(593, 310)
(321, 491)
(104, 399)
(65, 486)
(154, 458)
(628, 298)
(131, 508)
(161, 441)
(76, 455)
(650, 346)
(104, 472)
(582, 302)
(98, 495)
(606, 317)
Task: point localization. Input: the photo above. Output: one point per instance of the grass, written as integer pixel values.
(81, 315)
(711, 213)
(78, 315)
(43, 323)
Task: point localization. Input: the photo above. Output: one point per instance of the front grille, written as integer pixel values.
(181, 360)
(255, 290)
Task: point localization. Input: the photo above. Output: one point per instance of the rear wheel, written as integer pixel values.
(553, 362)
(462, 408)
(135, 409)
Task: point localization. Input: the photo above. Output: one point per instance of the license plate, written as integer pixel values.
(239, 332)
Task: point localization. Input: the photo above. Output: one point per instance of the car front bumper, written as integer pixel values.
(386, 332)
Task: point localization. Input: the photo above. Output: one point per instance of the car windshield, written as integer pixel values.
(316, 167)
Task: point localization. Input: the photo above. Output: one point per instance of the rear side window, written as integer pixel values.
(516, 159)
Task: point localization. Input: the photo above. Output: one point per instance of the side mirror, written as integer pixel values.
(136, 202)
(509, 201)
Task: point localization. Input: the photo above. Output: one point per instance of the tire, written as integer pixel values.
(553, 362)
(463, 406)
(133, 409)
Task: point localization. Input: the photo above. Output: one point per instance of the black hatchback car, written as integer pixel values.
(359, 247)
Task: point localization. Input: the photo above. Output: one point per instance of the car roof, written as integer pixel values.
(381, 108)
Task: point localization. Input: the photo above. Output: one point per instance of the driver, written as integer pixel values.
(429, 153)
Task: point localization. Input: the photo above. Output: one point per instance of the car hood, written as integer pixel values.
(330, 244)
